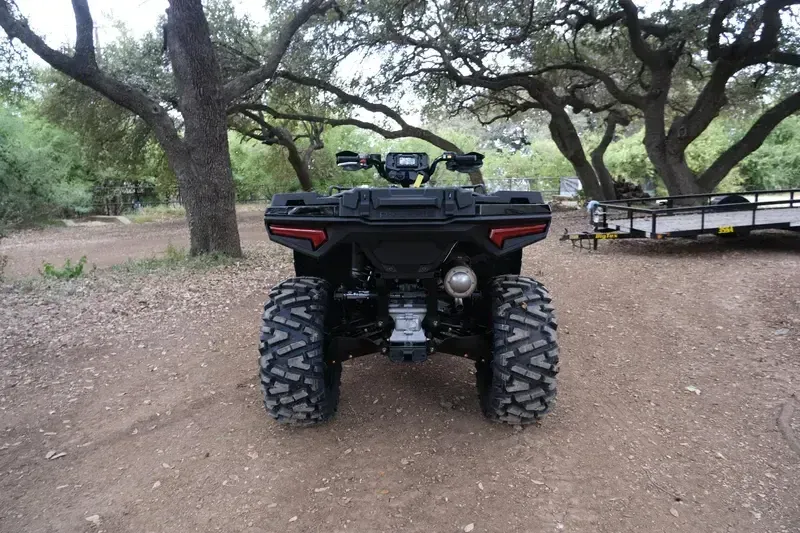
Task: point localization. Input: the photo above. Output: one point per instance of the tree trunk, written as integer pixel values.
(674, 170)
(598, 162)
(603, 175)
(206, 190)
(667, 157)
(300, 163)
(300, 168)
(679, 177)
(569, 144)
(203, 168)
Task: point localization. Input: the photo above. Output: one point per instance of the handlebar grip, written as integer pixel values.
(347, 159)
(466, 158)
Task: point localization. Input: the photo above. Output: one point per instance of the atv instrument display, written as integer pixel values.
(408, 272)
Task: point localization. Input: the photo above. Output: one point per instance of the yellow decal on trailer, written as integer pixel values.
(725, 229)
(601, 236)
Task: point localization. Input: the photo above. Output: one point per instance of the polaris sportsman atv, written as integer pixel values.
(408, 272)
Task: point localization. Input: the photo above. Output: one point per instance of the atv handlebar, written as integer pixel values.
(346, 159)
(354, 161)
(470, 158)
(394, 171)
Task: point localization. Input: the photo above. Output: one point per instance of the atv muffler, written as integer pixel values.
(460, 282)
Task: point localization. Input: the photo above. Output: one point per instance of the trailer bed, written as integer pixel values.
(692, 215)
(696, 221)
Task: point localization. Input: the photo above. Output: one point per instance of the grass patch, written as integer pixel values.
(68, 271)
(174, 259)
(157, 213)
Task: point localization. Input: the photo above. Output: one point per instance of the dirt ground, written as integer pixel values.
(678, 358)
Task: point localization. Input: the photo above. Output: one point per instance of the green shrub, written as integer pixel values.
(68, 271)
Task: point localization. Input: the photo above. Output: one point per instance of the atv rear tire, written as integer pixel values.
(299, 386)
(518, 384)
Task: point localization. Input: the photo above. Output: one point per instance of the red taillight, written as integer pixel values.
(499, 235)
(316, 236)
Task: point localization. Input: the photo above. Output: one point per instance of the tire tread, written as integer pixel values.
(518, 385)
(299, 387)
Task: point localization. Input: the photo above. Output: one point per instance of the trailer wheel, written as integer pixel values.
(518, 384)
(299, 387)
(729, 199)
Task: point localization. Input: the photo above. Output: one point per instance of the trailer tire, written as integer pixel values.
(518, 384)
(299, 387)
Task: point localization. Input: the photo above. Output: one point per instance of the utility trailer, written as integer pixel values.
(687, 216)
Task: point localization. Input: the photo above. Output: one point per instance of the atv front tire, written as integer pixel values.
(518, 384)
(299, 387)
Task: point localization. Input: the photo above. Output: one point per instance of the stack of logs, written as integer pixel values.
(626, 190)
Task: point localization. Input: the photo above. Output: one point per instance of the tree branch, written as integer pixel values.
(84, 29)
(716, 28)
(299, 117)
(582, 19)
(243, 83)
(519, 108)
(283, 137)
(608, 82)
(130, 98)
(405, 129)
(751, 141)
(784, 58)
(684, 130)
(344, 96)
(638, 43)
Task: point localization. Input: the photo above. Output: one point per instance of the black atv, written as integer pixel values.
(408, 272)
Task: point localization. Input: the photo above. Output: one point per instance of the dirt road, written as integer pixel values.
(677, 359)
(105, 245)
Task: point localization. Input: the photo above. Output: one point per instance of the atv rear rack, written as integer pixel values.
(664, 217)
(408, 232)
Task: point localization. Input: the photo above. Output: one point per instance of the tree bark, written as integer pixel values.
(203, 168)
